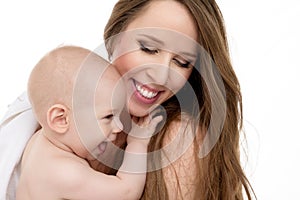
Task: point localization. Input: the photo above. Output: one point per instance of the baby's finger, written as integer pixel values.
(155, 121)
(156, 112)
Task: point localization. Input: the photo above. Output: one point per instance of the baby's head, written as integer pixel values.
(51, 85)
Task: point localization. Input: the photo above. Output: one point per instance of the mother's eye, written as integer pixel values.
(147, 49)
(182, 63)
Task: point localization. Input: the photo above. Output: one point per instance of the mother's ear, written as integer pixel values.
(58, 118)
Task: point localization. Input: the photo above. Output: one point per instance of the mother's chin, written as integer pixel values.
(139, 110)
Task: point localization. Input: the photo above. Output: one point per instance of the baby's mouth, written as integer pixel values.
(102, 147)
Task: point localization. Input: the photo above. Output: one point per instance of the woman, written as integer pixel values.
(148, 68)
(218, 175)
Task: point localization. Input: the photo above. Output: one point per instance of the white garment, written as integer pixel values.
(16, 128)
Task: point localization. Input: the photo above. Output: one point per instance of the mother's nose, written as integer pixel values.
(159, 70)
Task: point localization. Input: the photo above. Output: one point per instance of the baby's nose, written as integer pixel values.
(112, 137)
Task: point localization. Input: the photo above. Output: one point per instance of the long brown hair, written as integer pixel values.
(220, 175)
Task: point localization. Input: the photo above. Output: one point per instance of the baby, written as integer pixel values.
(54, 163)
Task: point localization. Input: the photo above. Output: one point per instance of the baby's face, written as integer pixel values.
(110, 99)
(109, 103)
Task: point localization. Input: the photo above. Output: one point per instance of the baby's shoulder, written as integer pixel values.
(46, 158)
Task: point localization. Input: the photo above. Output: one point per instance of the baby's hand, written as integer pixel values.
(143, 128)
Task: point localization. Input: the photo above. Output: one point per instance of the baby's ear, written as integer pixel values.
(58, 118)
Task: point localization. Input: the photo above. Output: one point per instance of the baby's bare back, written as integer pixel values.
(41, 170)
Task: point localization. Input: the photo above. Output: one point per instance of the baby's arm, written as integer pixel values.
(130, 179)
(134, 166)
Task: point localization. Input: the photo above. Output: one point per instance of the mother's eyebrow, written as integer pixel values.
(152, 38)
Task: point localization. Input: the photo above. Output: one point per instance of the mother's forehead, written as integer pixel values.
(173, 15)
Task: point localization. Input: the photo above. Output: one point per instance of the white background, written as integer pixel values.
(264, 42)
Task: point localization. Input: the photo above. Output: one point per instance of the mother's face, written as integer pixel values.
(155, 55)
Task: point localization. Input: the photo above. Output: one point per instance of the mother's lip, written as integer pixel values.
(148, 88)
(145, 94)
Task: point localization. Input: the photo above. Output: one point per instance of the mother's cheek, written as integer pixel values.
(124, 63)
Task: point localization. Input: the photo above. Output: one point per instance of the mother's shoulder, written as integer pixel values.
(183, 126)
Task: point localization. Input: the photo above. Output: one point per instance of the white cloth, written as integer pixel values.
(16, 128)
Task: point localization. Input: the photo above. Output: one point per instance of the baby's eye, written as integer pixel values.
(182, 62)
(149, 50)
(110, 116)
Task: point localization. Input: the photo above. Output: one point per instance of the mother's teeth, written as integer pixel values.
(145, 93)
